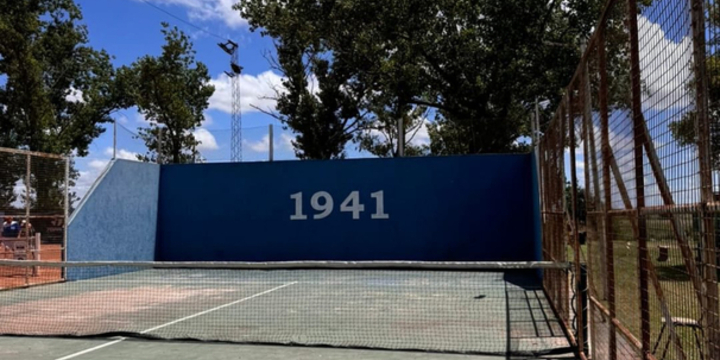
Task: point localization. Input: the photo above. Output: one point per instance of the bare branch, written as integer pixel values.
(268, 112)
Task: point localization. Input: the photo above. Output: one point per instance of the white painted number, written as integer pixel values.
(323, 203)
(352, 204)
(379, 206)
(298, 207)
(325, 208)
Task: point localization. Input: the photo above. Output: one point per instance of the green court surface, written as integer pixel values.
(332, 314)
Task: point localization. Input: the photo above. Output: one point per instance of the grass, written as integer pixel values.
(673, 277)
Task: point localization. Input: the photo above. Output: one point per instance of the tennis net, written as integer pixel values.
(455, 307)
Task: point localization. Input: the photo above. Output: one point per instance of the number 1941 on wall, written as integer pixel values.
(322, 202)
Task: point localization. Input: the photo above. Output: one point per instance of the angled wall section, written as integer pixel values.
(117, 219)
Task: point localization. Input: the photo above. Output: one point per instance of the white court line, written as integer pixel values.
(74, 355)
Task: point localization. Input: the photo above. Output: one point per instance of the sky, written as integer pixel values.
(129, 29)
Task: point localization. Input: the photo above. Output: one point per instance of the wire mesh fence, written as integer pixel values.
(34, 198)
(639, 123)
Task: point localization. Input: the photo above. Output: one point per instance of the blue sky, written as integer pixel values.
(129, 29)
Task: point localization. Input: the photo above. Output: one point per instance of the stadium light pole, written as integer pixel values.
(231, 48)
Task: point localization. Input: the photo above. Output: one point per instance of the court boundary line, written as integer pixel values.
(113, 342)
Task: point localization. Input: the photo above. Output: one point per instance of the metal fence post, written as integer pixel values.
(607, 196)
(711, 318)
(271, 142)
(579, 318)
(66, 214)
(28, 204)
(114, 138)
(639, 135)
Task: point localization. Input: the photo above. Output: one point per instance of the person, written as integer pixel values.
(11, 228)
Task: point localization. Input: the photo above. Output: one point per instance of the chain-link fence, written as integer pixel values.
(639, 123)
(34, 200)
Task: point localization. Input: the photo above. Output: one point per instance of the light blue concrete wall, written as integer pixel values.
(117, 219)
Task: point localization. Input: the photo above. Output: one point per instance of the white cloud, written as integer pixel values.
(19, 189)
(140, 118)
(122, 119)
(254, 91)
(208, 120)
(74, 95)
(209, 11)
(665, 65)
(87, 177)
(122, 154)
(98, 164)
(286, 141)
(206, 139)
(262, 145)
(421, 137)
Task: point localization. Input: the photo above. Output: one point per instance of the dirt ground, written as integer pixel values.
(11, 277)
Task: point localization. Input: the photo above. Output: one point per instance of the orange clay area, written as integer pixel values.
(12, 277)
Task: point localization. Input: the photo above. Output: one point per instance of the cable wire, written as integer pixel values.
(184, 21)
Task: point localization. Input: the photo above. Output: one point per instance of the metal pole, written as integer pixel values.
(67, 212)
(533, 127)
(159, 146)
(401, 137)
(114, 138)
(711, 322)
(28, 194)
(270, 142)
(580, 335)
(638, 127)
(607, 196)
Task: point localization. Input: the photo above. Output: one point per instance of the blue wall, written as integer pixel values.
(117, 219)
(440, 208)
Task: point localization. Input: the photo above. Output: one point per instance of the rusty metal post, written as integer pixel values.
(561, 246)
(639, 135)
(579, 306)
(711, 320)
(607, 231)
(28, 205)
(66, 214)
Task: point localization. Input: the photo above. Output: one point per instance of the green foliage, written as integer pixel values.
(45, 59)
(44, 56)
(683, 130)
(468, 62)
(171, 91)
(581, 205)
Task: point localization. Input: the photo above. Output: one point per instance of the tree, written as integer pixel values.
(465, 60)
(683, 130)
(171, 91)
(580, 206)
(57, 89)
